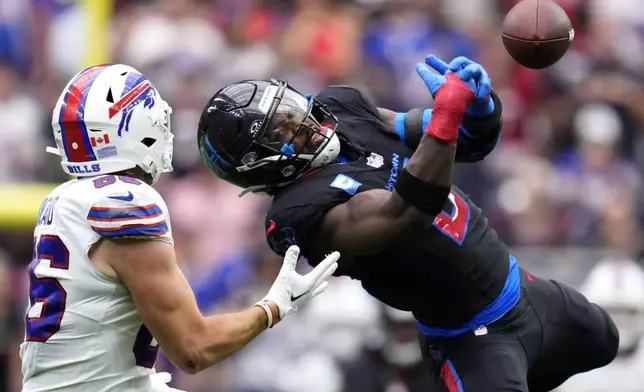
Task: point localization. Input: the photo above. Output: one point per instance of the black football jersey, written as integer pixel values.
(456, 269)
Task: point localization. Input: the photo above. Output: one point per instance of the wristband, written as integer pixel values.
(428, 198)
(269, 313)
(452, 99)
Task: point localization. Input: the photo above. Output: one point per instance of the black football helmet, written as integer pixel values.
(260, 135)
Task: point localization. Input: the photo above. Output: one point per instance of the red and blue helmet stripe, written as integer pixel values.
(132, 80)
(72, 116)
(137, 89)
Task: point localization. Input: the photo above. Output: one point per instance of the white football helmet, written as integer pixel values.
(618, 287)
(110, 118)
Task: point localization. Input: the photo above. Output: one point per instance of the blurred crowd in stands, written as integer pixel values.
(567, 172)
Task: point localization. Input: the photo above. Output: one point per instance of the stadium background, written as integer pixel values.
(563, 188)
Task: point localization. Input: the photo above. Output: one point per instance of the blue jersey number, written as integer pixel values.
(47, 300)
(47, 296)
(145, 353)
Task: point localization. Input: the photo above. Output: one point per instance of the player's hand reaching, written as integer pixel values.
(471, 73)
(292, 290)
(159, 383)
(453, 93)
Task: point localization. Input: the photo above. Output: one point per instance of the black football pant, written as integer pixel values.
(551, 334)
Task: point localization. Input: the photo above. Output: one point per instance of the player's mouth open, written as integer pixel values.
(317, 138)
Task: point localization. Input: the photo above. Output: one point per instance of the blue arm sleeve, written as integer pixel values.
(399, 126)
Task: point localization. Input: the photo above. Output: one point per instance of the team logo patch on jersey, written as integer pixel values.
(280, 240)
(375, 160)
(346, 183)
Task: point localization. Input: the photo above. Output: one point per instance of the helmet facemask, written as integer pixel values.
(295, 135)
(158, 157)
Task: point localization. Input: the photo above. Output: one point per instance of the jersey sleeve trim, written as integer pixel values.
(147, 220)
(111, 214)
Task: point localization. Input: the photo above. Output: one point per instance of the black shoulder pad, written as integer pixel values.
(347, 98)
(293, 226)
(298, 208)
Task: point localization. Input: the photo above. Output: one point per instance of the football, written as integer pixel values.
(537, 33)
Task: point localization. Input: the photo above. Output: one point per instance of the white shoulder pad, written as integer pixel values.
(127, 207)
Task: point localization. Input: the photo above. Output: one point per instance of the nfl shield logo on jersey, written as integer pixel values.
(375, 160)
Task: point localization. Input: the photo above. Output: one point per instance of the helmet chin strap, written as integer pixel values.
(261, 188)
(252, 189)
(327, 156)
(52, 150)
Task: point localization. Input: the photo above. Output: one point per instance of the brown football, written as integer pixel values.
(537, 33)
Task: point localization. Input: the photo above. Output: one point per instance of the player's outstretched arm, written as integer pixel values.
(370, 221)
(169, 310)
(480, 128)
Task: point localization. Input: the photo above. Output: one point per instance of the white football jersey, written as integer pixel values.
(83, 331)
(624, 374)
